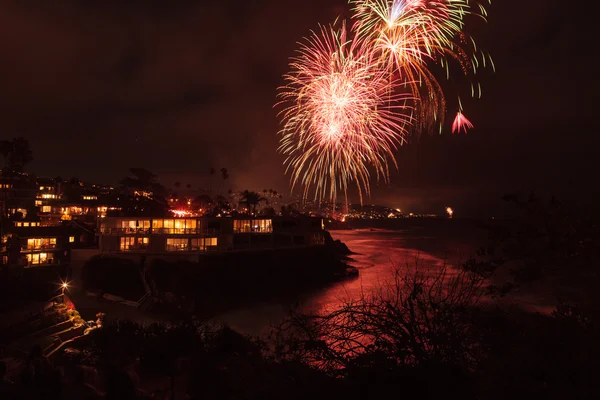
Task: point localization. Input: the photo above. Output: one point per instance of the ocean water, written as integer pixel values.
(378, 254)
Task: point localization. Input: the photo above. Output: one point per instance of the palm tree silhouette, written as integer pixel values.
(251, 200)
(6, 148)
(204, 202)
(224, 176)
(212, 172)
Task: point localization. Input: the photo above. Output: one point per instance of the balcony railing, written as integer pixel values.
(157, 231)
(179, 248)
(252, 230)
(137, 247)
(42, 247)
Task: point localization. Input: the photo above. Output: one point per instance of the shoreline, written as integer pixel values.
(224, 282)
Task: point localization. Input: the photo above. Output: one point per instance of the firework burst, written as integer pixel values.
(410, 34)
(461, 123)
(352, 96)
(340, 116)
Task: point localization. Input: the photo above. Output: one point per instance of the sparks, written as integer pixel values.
(353, 95)
(461, 122)
(340, 117)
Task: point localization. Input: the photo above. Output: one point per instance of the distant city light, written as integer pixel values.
(180, 213)
(449, 211)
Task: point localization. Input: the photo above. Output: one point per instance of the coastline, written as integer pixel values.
(222, 282)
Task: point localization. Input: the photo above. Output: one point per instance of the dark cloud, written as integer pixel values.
(179, 86)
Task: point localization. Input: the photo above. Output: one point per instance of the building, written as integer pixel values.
(17, 194)
(42, 245)
(58, 201)
(205, 234)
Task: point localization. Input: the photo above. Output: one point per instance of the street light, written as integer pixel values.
(64, 286)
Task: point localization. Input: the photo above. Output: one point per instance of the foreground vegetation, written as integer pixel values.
(452, 335)
(417, 336)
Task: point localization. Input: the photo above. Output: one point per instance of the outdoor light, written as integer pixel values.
(63, 286)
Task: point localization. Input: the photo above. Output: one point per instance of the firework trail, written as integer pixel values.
(353, 95)
(339, 115)
(461, 122)
(409, 35)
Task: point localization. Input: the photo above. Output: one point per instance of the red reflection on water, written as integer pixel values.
(378, 254)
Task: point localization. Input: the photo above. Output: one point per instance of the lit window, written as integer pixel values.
(71, 239)
(255, 225)
(127, 242)
(134, 243)
(168, 225)
(182, 226)
(157, 225)
(18, 224)
(203, 244)
(242, 226)
(177, 244)
(40, 258)
(46, 209)
(41, 243)
(133, 224)
(38, 203)
(48, 196)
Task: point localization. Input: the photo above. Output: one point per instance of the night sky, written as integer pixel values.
(180, 86)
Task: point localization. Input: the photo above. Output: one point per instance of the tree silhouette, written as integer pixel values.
(224, 177)
(143, 180)
(22, 154)
(177, 184)
(17, 153)
(221, 204)
(204, 202)
(72, 190)
(251, 200)
(212, 172)
(6, 148)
